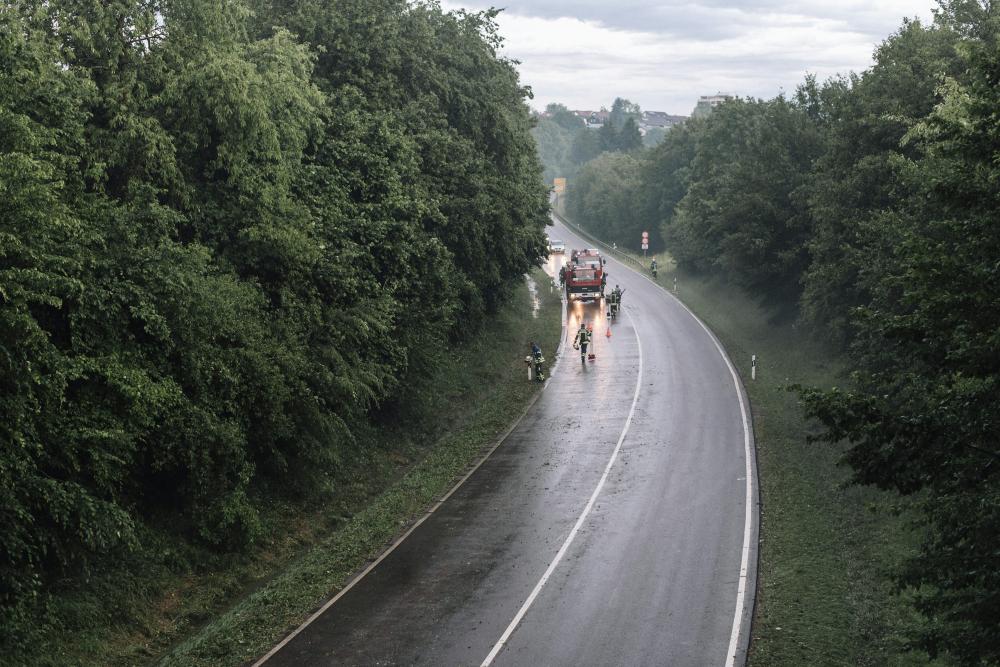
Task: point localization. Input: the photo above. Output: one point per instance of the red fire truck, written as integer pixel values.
(585, 275)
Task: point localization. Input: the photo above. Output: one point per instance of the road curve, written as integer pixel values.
(611, 527)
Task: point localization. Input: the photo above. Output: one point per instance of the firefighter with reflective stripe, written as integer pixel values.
(538, 360)
(582, 340)
(615, 301)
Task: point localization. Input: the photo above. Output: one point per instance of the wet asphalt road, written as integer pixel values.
(651, 574)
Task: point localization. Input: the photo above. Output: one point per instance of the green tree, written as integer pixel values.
(629, 138)
(666, 178)
(654, 137)
(553, 145)
(863, 119)
(601, 199)
(586, 146)
(42, 126)
(622, 111)
(920, 415)
(217, 219)
(743, 212)
(607, 138)
(563, 117)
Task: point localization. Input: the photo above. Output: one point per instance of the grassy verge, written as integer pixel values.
(230, 610)
(825, 595)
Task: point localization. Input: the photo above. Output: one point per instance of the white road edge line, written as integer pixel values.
(748, 517)
(385, 554)
(748, 502)
(579, 522)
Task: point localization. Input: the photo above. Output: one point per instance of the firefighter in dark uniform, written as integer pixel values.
(582, 340)
(615, 301)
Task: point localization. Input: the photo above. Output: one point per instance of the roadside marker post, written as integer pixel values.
(753, 366)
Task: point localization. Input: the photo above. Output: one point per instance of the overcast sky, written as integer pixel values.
(663, 55)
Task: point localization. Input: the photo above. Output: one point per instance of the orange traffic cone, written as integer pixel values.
(607, 332)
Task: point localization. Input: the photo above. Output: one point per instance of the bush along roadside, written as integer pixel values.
(480, 392)
(186, 607)
(824, 593)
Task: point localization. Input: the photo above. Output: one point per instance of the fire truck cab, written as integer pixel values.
(585, 275)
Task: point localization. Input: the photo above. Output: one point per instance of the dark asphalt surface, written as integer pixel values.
(651, 577)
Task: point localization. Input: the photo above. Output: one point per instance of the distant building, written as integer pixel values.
(708, 102)
(593, 119)
(652, 119)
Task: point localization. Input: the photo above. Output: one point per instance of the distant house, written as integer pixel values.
(708, 102)
(652, 119)
(593, 119)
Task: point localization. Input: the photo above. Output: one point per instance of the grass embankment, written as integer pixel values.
(231, 610)
(824, 591)
(825, 596)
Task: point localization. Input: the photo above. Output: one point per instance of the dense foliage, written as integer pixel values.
(566, 144)
(229, 233)
(869, 205)
(743, 212)
(607, 187)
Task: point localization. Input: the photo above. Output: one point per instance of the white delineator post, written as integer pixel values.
(753, 366)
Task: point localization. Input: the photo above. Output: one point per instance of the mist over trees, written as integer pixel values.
(868, 206)
(565, 143)
(217, 219)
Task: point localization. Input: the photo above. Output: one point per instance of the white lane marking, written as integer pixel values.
(319, 612)
(748, 515)
(579, 522)
(748, 502)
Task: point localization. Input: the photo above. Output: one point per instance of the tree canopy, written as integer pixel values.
(565, 143)
(217, 219)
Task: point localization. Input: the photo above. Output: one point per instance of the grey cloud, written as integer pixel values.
(692, 63)
(670, 19)
(707, 20)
